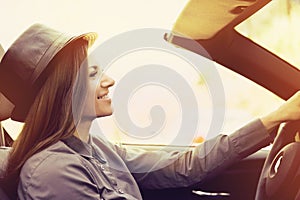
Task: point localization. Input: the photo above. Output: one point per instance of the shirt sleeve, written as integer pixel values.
(169, 168)
(66, 179)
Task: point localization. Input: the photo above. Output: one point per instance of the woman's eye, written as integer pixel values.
(93, 71)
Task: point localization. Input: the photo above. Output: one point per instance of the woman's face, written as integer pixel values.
(98, 103)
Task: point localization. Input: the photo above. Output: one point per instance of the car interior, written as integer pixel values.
(267, 174)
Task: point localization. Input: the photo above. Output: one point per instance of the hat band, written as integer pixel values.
(55, 47)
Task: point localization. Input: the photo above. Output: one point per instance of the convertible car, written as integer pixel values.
(221, 28)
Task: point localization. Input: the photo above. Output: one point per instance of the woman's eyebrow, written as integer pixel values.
(96, 67)
(93, 67)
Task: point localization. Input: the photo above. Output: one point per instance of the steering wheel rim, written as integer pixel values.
(280, 169)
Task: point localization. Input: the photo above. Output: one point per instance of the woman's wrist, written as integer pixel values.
(271, 120)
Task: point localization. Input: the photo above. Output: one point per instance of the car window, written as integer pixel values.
(276, 28)
(245, 100)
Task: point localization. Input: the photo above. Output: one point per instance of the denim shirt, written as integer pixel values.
(72, 169)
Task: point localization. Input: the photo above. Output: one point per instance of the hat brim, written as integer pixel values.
(89, 37)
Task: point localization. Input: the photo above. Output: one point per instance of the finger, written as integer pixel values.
(297, 137)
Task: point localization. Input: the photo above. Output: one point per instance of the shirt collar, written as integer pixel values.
(87, 150)
(83, 148)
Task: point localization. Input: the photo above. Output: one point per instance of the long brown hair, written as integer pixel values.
(51, 117)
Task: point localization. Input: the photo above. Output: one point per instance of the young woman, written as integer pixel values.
(55, 157)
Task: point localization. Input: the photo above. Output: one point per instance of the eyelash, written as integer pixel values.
(95, 71)
(93, 74)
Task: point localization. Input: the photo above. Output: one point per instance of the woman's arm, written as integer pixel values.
(166, 169)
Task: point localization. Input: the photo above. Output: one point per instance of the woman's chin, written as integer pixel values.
(105, 114)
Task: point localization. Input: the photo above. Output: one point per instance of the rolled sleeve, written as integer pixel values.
(250, 138)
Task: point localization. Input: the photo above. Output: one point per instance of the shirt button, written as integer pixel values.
(102, 167)
(120, 191)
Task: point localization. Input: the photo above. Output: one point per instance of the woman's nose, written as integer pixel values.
(106, 81)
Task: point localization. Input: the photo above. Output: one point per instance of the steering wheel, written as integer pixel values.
(280, 176)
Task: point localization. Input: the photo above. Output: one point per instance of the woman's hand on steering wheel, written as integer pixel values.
(289, 111)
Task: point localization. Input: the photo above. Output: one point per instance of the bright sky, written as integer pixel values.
(107, 18)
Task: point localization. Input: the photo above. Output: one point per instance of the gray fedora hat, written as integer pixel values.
(26, 60)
